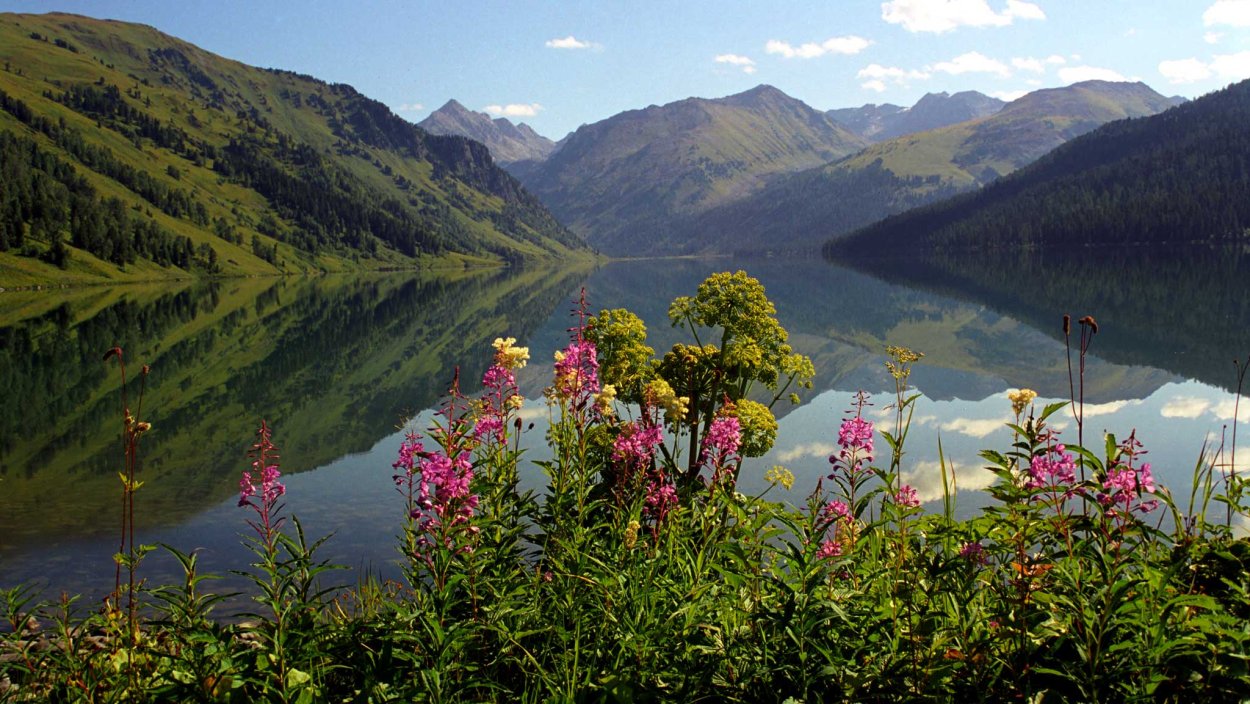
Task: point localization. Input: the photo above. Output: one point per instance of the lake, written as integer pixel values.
(335, 364)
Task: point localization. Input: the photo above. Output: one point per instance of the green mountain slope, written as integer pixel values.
(226, 168)
(801, 211)
(1182, 176)
(624, 182)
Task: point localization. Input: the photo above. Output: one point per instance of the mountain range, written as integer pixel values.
(507, 142)
(877, 123)
(130, 154)
(1181, 176)
(622, 183)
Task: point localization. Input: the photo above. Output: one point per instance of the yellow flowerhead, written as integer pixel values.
(661, 395)
(507, 356)
(1020, 399)
(604, 400)
(780, 475)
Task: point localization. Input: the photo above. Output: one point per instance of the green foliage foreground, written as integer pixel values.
(641, 574)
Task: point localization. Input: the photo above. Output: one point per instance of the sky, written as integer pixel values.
(557, 65)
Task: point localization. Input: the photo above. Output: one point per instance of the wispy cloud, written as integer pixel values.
(569, 42)
(1076, 74)
(513, 109)
(1184, 407)
(1184, 70)
(972, 427)
(844, 46)
(811, 449)
(743, 62)
(1103, 409)
(945, 15)
(972, 62)
(1212, 37)
(926, 477)
(410, 107)
(875, 76)
(1229, 67)
(1231, 13)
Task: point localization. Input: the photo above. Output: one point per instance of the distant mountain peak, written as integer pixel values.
(933, 110)
(506, 141)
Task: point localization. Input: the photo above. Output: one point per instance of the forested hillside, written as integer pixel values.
(132, 154)
(1182, 176)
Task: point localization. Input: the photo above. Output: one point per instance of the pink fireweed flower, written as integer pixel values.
(835, 511)
(974, 553)
(906, 497)
(263, 499)
(636, 444)
(720, 446)
(500, 397)
(660, 500)
(1053, 467)
(444, 501)
(1125, 484)
(829, 549)
(855, 443)
(576, 372)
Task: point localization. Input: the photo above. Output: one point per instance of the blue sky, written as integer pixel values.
(556, 65)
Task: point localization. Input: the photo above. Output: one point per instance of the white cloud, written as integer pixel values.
(946, 15)
(1233, 13)
(811, 449)
(1232, 66)
(1104, 409)
(743, 62)
(1184, 407)
(513, 109)
(1213, 37)
(1010, 95)
(875, 76)
(926, 478)
(410, 107)
(845, 46)
(1076, 74)
(1224, 410)
(973, 428)
(569, 42)
(1029, 64)
(1184, 71)
(1056, 60)
(972, 62)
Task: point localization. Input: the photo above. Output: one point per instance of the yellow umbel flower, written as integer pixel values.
(660, 394)
(507, 356)
(780, 475)
(1020, 399)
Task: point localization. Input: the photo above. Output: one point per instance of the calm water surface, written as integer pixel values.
(335, 364)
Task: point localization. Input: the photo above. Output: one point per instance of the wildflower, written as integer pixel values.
(266, 467)
(828, 549)
(660, 394)
(1020, 399)
(724, 435)
(509, 357)
(900, 358)
(856, 443)
(1055, 466)
(631, 534)
(660, 500)
(1125, 483)
(835, 510)
(444, 500)
(636, 444)
(780, 475)
(576, 372)
(906, 497)
(974, 553)
(604, 400)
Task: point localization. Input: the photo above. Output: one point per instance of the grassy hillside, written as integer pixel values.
(248, 170)
(626, 181)
(801, 211)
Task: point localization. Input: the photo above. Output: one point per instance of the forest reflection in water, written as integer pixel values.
(334, 364)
